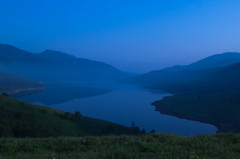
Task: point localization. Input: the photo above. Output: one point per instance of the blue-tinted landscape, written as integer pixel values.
(119, 79)
(122, 104)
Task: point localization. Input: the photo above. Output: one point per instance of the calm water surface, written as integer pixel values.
(121, 104)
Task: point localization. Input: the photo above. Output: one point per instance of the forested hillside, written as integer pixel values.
(13, 84)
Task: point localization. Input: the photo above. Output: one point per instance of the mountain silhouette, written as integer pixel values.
(204, 73)
(54, 66)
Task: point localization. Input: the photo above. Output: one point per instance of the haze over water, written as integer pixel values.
(125, 104)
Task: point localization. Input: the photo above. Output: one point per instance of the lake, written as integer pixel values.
(117, 103)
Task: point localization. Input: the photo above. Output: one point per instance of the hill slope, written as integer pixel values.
(212, 99)
(181, 78)
(220, 80)
(21, 119)
(54, 66)
(217, 60)
(217, 108)
(12, 84)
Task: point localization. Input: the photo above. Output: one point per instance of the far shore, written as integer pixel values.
(222, 127)
(25, 89)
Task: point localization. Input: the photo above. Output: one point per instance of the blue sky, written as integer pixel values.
(136, 35)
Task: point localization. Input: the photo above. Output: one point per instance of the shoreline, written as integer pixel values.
(24, 90)
(223, 127)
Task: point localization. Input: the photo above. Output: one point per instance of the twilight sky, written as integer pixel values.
(133, 35)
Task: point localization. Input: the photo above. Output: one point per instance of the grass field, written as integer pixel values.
(151, 146)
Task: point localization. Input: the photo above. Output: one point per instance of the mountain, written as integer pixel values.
(179, 78)
(218, 60)
(20, 119)
(213, 98)
(224, 79)
(12, 84)
(54, 66)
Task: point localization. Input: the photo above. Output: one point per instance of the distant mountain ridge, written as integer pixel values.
(54, 66)
(217, 60)
(200, 74)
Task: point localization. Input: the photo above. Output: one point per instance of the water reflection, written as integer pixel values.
(120, 104)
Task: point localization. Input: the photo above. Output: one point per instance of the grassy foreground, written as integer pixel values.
(152, 146)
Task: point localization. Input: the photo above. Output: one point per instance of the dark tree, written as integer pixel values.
(136, 131)
(5, 94)
(152, 131)
(77, 115)
(67, 116)
(133, 124)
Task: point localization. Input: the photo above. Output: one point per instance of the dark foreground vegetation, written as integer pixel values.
(20, 119)
(151, 146)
